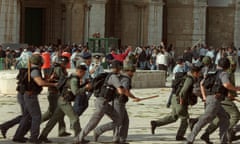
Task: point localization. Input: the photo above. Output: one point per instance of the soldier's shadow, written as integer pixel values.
(142, 138)
(57, 140)
(150, 137)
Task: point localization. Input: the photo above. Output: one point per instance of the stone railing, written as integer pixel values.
(141, 79)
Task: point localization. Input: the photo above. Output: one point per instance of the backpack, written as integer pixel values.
(178, 85)
(51, 72)
(24, 84)
(179, 78)
(65, 91)
(100, 87)
(213, 84)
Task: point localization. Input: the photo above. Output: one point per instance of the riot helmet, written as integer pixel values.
(224, 63)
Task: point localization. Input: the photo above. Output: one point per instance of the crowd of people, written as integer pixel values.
(68, 94)
(144, 57)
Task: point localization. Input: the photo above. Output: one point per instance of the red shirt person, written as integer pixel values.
(122, 56)
(68, 55)
(46, 63)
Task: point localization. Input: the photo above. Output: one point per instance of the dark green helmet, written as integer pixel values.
(224, 63)
(206, 60)
(36, 60)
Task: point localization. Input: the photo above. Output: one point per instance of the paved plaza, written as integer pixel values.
(140, 115)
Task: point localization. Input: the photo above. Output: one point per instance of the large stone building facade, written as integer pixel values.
(137, 22)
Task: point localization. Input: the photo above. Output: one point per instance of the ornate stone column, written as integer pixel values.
(237, 25)
(199, 21)
(95, 17)
(67, 21)
(9, 21)
(155, 22)
(141, 7)
(87, 10)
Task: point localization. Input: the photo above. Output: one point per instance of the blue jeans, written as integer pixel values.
(153, 67)
(80, 104)
(17, 119)
(31, 118)
(143, 65)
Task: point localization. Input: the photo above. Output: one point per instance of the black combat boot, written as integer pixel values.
(180, 138)
(192, 122)
(205, 137)
(3, 131)
(153, 126)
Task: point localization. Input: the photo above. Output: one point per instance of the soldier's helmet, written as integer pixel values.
(63, 60)
(127, 66)
(36, 60)
(116, 64)
(206, 60)
(224, 63)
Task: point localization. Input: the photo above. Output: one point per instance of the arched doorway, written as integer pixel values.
(36, 22)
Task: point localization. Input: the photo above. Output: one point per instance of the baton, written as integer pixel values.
(151, 97)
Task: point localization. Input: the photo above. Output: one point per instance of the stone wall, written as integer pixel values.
(129, 23)
(236, 25)
(219, 3)
(135, 22)
(220, 30)
(77, 22)
(199, 22)
(180, 25)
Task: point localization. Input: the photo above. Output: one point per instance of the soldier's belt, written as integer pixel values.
(30, 93)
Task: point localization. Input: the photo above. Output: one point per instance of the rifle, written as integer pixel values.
(169, 99)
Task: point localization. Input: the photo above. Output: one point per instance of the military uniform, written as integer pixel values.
(102, 107)
(230, 107)
(81, 101)
(120, 106)
(53, 94)
(178, 110)
(65, 108)
(213, 109)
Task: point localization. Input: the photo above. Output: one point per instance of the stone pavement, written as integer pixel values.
(140, 115)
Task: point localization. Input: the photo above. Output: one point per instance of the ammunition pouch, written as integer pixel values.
(108, 92)
(123, 99)
(68, 95)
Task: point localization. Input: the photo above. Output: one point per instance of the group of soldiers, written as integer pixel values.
(60, 103)
(220, 109)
